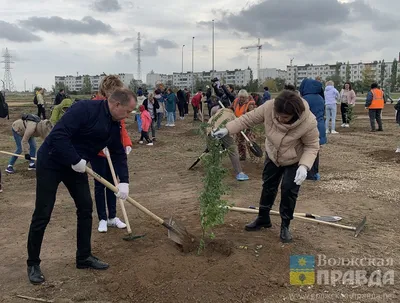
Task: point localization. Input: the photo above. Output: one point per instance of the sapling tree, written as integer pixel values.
(212, 207)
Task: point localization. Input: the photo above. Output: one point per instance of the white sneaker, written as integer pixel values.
(327, 131)
(334, 132)
(347, 125)
(398, 150)
(102, 226)
(343, 125)
(150, 144)
(172, 125)
(167, 125)
(140, 142)
(116, 222)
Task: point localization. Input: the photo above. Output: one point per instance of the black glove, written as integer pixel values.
(28, 157)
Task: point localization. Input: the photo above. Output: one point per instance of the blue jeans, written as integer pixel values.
(100, 166)
(160, 116)
(18, 142)
(170, 118)
(139, 122)
(330, 113)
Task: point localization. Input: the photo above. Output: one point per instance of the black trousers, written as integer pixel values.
(145, 135)
(314, 169)
(343, 110)
(41, 111)
(181, 107)
(272, 177)
(186, 106)
(47, 181)
(375, 114)
(195, 112)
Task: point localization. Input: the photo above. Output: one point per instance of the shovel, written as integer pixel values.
(312, 216)
(357, 229)
(254, 147)
(176, 232)
(198, 159)
(130, 236)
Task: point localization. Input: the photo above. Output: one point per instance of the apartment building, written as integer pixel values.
(272, 73)
(75, 83)
(236, 77)
(296, 73)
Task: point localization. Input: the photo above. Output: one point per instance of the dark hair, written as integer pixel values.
(200, 90)
(290, 87)
(266, 88)
(374, 85)
(122, 95)
(61, 90)
(169, 90)
(231, 86)
(344, 85)
(157, 92)
(289, 103)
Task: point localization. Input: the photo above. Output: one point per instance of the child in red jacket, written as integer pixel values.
(146, 122)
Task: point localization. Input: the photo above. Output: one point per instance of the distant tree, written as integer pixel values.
(271, 85)
(200, 84)
(60, 85)
(382, 74)
(358, 86)
(86, 86)
(337, 80)
(348, 72)
(368, 78)
(393, 77)
(280, 84)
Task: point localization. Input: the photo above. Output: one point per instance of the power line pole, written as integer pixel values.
(9, 84)
(180, 82)
(139, 61)
(213, 43)
(192, 63)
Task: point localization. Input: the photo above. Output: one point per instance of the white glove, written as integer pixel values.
(106, 151)
(219, 134)
(128, 150)
(301, 175)
(80, 167)
(123, 191)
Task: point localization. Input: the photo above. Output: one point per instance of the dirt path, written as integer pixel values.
(360, 176)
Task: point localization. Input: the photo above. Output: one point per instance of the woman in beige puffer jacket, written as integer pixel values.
(24, 132)
(292, 144)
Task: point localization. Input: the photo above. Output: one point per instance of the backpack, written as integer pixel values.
(30, 117)
(3, 107)
(35, 100)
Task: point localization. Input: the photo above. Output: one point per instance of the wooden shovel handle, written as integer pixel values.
(16, 155)
(121, 202)
(129, 199)
(255, 211)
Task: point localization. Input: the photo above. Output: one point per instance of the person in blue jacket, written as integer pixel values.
(310, 90)
(82, 132)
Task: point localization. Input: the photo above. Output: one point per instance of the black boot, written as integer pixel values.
(91, 262)
(286, 236)
(262, 221)
(35, 274)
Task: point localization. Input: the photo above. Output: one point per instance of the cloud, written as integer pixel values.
(122, 56)
(129, 40)
(167, 44)
(106, 6)
(88, 25)
(14, 33)
(311, 22)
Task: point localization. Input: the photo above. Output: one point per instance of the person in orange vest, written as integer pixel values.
(100, 166)
(243, 104)
(375, 103)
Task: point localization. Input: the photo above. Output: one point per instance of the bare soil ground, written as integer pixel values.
(360, 176)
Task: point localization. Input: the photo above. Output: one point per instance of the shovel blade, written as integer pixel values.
(177, 232)
(256, 149)
(360, 227)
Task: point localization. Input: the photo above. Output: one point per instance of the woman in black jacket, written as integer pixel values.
(152, 107)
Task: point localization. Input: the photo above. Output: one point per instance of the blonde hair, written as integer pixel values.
(150, 96)
(109, 85)
(243, 93)
(330, 82)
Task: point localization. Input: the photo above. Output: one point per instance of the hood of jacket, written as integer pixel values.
(66, 103)
(329, 88)
(310, 86)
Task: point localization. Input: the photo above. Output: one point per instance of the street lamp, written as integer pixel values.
(182, 68)
(192, 62)
(213, 43)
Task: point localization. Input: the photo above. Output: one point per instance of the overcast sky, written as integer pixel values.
(61, 37)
